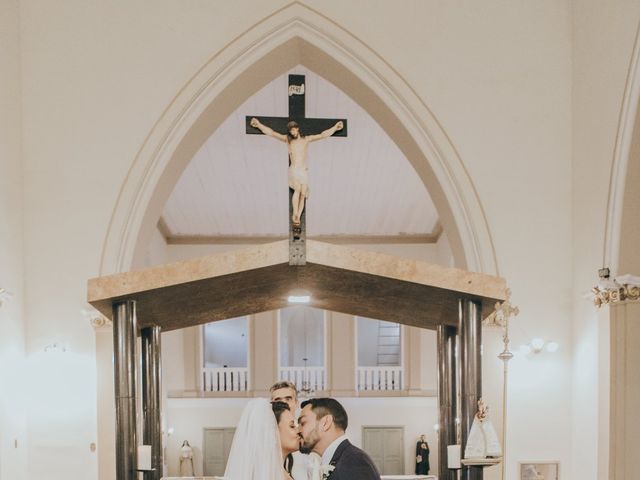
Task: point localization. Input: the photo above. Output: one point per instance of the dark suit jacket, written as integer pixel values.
(352, 464)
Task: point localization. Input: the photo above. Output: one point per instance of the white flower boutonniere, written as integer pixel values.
(326, 470)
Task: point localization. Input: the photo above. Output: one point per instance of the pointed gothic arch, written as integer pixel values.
(294, 35)
(626, 136)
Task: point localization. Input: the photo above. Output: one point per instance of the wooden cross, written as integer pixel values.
(308, 126)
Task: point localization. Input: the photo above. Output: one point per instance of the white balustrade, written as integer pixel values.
(314, 378)
(379, 378)
(225, 379)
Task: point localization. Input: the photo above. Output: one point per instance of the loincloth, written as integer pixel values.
(299, 176)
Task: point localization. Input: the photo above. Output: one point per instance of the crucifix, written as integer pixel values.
(298, 132)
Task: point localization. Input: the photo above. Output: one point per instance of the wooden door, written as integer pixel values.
(385, 446)
(217, 445)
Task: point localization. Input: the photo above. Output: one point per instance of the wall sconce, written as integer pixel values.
(5, 296)
(536, 345)
(55, 348)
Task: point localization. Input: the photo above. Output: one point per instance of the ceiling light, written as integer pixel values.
(299, 298)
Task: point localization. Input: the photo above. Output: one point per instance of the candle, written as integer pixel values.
(453, 456)
(144, 457)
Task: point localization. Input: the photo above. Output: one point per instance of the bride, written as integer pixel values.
(266, 435)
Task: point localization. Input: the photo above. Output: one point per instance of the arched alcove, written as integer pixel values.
(297, 35)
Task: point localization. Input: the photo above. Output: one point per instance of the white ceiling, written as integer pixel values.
(236, 185)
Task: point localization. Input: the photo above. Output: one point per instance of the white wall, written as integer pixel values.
(603, 41)
(497, 75)
(189, 417)
(13, 426)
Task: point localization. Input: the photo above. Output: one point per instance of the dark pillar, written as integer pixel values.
(124, 353)
(447, 396)
(470, 373)
(151, 391)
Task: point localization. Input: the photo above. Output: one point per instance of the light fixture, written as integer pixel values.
(623, 288)
(305, 386)
(55, 348)
(299, 298)
(5, 296)
(536, 345)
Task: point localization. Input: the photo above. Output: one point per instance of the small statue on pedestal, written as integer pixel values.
(186, 460)
(482, 441)
(422, 456)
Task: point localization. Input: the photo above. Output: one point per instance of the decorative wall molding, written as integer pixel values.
(624, 137)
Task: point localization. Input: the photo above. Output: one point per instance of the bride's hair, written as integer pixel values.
(278, 408)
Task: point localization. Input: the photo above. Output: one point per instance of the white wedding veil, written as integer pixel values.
(255, 452)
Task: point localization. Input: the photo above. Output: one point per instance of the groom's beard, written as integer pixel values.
(310, 442)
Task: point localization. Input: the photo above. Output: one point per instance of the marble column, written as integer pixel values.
(151, 398)
(470, 373)
(447, 397)
(124, 349)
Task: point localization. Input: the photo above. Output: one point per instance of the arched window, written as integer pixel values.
(301, 341)
(225, 355)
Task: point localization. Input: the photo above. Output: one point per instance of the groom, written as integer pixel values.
(323, 422)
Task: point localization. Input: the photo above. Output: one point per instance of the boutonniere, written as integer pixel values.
(326, 470)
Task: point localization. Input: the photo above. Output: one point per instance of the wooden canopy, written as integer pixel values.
(258, 279)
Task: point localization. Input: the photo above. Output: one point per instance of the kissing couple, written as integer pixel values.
(270, 439)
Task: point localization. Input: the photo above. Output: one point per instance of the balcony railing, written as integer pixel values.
(379, 378)
(314, 378)
(225, 379)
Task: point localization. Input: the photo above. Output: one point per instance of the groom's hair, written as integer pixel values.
(329, 406)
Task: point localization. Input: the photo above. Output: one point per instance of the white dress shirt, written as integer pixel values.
(331, 449)
(300, 466)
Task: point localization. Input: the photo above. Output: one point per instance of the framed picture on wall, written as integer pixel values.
(542, 470)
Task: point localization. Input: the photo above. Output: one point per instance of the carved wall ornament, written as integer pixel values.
(501, 313)
(621, 289)
(96, 319)
(99, 322)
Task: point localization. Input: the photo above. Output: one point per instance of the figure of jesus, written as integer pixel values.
(298, 170)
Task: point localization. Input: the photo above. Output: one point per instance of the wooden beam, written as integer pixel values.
(260, 279)
(400, 239)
